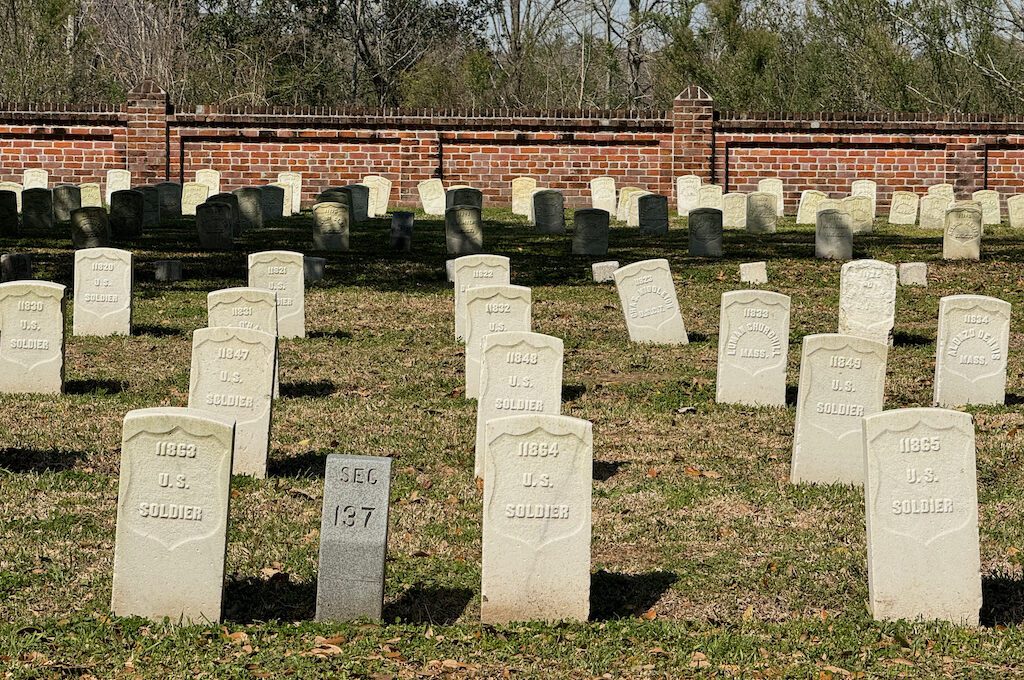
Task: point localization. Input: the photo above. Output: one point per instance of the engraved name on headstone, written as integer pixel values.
(833, 235)
(753, 348)
(961, 239)
(331, 222)
(970, 351)
(647, 295)
(463, 230)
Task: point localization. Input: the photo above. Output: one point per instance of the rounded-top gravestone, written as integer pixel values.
(231, 201)
(8, 213)
(401, 230)
(548, 211)
(37, 209)
(126, 214)
(213, 224)
(66, 199)
(90, 228)
(331, 226)
(463, 231)
(250, 208)
(705, 231)
(652, 213)
(590, 232)
(464, 196)
(169, 196)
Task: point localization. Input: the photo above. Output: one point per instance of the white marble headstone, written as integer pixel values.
(104, 280)
(492, 309)
(753, 348)
(648, 298)
(31, 337)
(867, 299)
(470, 271)
(970, 351)
(283, 272)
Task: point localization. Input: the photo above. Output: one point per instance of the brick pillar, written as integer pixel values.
(147, 150)
(693, 138)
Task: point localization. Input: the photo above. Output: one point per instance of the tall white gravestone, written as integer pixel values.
(868, 188)
(103, 292)
(970, 351)
(753, 348)
(432, 196)
(687, 194)
(283, 272)
(295, 180)
(602, 194)
(522, 195)
(775, 187)
(867, 299)
(538, 473)
(492, 309)
(173, 498)
(921, 507)
(252, 308)
(31, 337)
(470, 271)
(118, 180)
(648, 298)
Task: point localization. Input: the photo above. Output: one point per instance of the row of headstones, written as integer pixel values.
(32, 312)
(510, 369)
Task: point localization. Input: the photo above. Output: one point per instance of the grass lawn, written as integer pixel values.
(706, 561)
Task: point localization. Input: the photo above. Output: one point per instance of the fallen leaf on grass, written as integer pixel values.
(301, 493)
(699, 660)
(650, 614)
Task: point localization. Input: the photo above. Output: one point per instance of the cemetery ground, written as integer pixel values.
(705, 559)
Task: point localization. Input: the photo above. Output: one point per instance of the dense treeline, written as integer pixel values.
(904, 55)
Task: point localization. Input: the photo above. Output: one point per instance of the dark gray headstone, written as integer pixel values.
(336, 195)
(652, 211)
(67, 198)
(401, 230)
(231, 201)
(705, 230)
(213, 224)
(15, 267)
(590, 232)
(359, 200)
(127, 213)
(353, 538)
(313, 268)
(464, 196)
(463, 231)
(330, 226)
(833, 235)
(150, 207)
(37, 209)
(250, 208)
(8, 213)
(90, 228)
(169, 194)
(167, 270)
(273, 202)
(548, 212)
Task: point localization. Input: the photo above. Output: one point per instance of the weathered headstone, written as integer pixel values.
(117, 180)
(464, 196)
(172, 515)
(734, 211)
(167, 270)
(209, 178)
(10, 223)
(810, 201)
(126, 210)
(531, 217)
(536, 526)
(214, 226)
(868, 188)
(353, 538)
(380, 187)
(590, 232)
(492, 309)
(762, 214)
(970, 351)
(625, 199)
(250, 208)
(91, 195)
(648, 298)
(961, 239)
(330, 226)
(991, 209)
(903, 207)
(67, 198)
(231, 201)
(754, 272)
(14, 188)
(687, 193)
(932, 210)
(520, 373)
(193, 194)
(946, 190)
(402, 223)
(15, 267)
(522, 190)
(253, 308)
(232, 375)
(272, 201)
(833, 235)
(602, 194)
(104, 279)
(463, 230)
(913, 274)
(633, 209)
(710, 196)
(549, 212)
(652, 213)
(753, 348)
(842, 379)
(313, 269)
(774, 187)
(35, 178)
(90, 228)
(432, 196)
(921, 501)
(471, 271)
(867, 300)
(829, 204)
(32, 333)
(604, 272)
(1015, 208)
(860, 210)
(705, 232)
(282, 271)
(294, 180)
(169, 196)
(150, 207)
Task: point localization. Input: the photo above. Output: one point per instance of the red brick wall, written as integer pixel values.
(563, 150)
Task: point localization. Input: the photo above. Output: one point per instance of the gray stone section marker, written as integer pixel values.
(648, 298)
(753, 348)
(353, 538)
(538, 474)
(921, 506)
(842, 379)
(970, 351)
(31, 337)
(172, 515)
